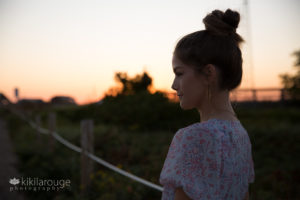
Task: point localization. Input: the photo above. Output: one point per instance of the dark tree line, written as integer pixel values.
(129, 86)
(291, 82)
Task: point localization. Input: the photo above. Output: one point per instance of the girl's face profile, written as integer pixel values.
(189, 85)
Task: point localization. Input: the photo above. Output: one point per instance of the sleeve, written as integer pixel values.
(188, 166)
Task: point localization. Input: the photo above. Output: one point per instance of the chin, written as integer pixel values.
(185, 107)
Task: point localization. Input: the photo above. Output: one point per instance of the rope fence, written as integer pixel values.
(93, 157)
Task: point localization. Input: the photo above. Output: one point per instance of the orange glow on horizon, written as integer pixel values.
(68, 48)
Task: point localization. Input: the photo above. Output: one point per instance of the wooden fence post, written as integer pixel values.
(87, 145)
(38, 134)
(52, 128)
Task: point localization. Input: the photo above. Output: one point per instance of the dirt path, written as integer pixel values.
(8, 160)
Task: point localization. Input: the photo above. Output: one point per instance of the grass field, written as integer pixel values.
(274, 132)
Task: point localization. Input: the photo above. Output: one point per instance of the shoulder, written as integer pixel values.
(197, 133)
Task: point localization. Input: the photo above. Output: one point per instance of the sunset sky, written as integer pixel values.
(74, 48)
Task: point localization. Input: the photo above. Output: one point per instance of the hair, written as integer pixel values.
(218, 44)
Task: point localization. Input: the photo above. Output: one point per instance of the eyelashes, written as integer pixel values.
(178, 74)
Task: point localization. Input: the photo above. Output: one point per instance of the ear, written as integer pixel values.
(210, 72)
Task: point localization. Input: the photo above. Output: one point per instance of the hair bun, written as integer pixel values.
(232, 18)
(222, 23)
(219, 23)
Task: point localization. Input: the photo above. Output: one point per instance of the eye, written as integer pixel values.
(178, 74)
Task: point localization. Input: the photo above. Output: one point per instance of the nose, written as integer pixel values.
(174, 85)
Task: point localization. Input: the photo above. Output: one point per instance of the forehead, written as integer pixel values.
(176, 63)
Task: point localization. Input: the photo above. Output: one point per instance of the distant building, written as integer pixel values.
(4, 100)
(62, 100)
(30, 102)
(99, 102)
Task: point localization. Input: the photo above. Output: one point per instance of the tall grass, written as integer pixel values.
(274, 133)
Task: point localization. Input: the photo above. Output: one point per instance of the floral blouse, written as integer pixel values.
(209, 160)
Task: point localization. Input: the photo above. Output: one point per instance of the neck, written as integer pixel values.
(219, 107)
